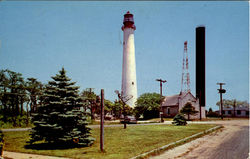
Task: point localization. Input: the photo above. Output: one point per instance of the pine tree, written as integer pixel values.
(188, 109)
(59, 119)
(179, 119)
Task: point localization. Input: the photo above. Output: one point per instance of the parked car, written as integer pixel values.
(129, 120)
(108, 117)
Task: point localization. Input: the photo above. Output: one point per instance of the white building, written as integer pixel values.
(237, 112)
(172, 105)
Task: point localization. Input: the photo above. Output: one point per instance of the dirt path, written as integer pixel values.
(230, 142)
(16, 155)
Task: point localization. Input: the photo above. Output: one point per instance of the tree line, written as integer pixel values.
(20, 98)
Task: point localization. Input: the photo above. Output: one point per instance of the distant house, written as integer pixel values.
(173, 104)
(237, 112)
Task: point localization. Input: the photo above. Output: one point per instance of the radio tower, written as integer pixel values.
(185, 80)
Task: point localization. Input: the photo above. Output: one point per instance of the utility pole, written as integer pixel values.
(161, 111)
(221, 91)
(102, 122)
(234, 107)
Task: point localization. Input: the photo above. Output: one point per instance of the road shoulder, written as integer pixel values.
(205, 145)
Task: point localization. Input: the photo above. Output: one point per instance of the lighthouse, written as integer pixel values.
(129, 84)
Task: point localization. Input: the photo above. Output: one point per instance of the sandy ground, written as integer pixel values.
(209, 146)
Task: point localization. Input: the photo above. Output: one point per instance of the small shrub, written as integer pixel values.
(179, 119)
(20, 122)
(212, 114)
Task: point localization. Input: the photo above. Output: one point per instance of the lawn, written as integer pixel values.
(119, 143)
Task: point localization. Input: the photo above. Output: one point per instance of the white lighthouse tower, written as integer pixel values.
(129, 84)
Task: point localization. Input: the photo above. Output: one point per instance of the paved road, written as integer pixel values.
(236, 147)
(231, 142)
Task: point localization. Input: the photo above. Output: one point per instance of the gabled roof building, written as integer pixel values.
(172, 105)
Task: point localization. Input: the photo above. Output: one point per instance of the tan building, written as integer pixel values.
(173, 104)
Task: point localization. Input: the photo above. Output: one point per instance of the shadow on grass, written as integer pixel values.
(51, 146)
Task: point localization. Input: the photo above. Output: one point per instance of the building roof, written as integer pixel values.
(236, 108)
(171, 100)
(174, 99)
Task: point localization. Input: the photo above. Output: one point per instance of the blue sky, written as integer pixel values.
(39, 38)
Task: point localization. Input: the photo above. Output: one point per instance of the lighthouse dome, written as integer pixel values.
(128, 21)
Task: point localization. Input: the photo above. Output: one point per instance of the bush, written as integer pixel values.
(179, 119)
(211, 113)
(148, 105)
(20, 121)
(151, 114)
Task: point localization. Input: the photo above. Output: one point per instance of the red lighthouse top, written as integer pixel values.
(128, 21)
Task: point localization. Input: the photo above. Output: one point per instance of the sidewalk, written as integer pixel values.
(17, 155)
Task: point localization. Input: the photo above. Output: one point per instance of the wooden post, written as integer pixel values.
(102, 121)
(124, 115)
(221, 105)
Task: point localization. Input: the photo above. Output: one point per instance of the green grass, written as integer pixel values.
(10, 125)
(106, 122)
(119, 143)
(158, 119)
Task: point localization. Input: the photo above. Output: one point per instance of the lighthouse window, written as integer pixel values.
(132, 83)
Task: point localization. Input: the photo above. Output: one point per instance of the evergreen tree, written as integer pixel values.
(188, 109)
(58, 119)
(179, 119)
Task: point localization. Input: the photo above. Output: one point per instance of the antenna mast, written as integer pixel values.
(185, 80)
